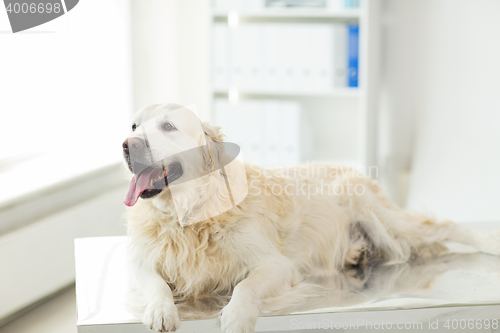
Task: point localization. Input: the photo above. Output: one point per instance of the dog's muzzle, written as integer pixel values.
(139, 150)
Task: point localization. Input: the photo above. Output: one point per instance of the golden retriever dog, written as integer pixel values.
(260, 243)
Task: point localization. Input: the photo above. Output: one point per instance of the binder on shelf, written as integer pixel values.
(254, 131)
(305, 57)
(339, 52)
(272, 151)
(289, 55)
(305, 52)
(236, 54)
(282, 133)
(290, 133)
(241, 124)
(321, 56)
(284, 47)
(298, 57)
(352, 54)
(251, 56)
(238, 126)
(222, 116)
(272, 60)
(221, 57)
(268, 132)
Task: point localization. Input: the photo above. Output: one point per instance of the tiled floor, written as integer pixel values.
(58, 315)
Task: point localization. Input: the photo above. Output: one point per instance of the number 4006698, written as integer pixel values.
(33, 8)
(471, 324)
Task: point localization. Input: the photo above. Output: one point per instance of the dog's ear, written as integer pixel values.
(214, 149)
(212, 132)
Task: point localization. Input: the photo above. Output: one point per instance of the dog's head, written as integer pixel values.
(171, 150)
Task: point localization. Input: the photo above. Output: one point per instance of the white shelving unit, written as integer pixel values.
(341, 121)
(268, 93)
(291, 14)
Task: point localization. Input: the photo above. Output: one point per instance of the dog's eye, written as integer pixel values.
(134, 126)
(168, 127)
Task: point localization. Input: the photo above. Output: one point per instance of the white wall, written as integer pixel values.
(154, 52)
(170, 47)
(457, 161)
(442, 71)
(194, 45)
(396, 112)
(70, 77)
(38, 259)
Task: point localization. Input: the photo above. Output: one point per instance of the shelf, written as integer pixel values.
(335, 92)
(357, 165)
(355, 107)
(292, 13)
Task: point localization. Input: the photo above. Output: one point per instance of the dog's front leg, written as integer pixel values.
(161, 313)
(267, 279)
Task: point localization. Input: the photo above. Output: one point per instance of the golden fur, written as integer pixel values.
(273, 240)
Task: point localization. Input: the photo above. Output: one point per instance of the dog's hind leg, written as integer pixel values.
(426, 236)
(360, 247)
(398, 235)
(357, 262)
(486, 242)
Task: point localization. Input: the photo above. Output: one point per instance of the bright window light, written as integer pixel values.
(65, 89)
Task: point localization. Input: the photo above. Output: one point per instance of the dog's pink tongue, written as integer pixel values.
(137, 186)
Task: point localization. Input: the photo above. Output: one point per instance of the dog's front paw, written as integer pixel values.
(161, 316)
(238, 318)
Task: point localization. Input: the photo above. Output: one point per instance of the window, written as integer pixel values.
(65, 95)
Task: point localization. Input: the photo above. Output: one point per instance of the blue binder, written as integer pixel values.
(352, 54)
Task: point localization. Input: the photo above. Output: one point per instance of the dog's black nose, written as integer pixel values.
(133, 143)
